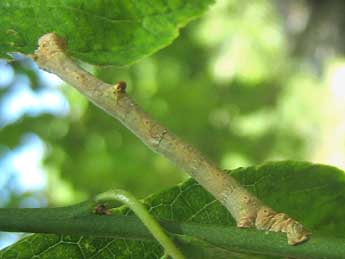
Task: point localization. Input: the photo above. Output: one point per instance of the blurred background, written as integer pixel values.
(249, 82)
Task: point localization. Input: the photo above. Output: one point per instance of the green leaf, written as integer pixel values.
(115, 32)
(308, 192)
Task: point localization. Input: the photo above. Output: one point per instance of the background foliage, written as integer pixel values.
(248, 82)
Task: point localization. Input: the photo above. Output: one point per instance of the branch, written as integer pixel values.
(80, 220)
(247, 210)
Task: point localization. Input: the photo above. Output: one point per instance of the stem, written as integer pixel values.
(145, 217)
(247, 209)
(79, 220)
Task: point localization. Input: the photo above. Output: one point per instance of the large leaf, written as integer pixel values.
(99, 32)
(308, 192)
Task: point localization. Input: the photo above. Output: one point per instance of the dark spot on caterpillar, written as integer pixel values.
(121, 86)
(101, 209)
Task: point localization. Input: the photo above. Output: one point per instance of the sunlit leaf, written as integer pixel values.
(99, 32)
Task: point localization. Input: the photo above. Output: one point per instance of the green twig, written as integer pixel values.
(142, 213)
(80, 220)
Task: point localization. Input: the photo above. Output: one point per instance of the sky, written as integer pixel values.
(21, 169)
